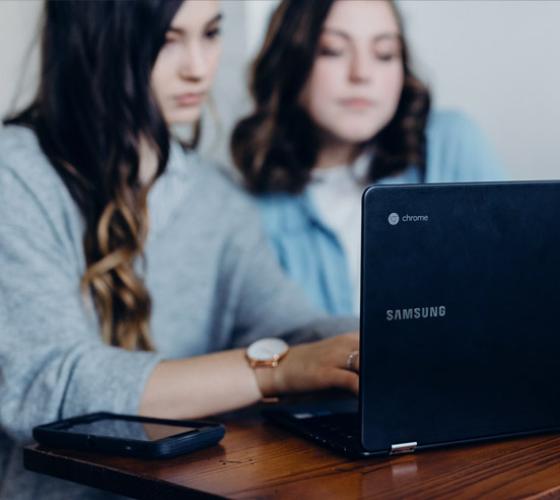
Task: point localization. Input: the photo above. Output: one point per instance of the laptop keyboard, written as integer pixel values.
(339, 427)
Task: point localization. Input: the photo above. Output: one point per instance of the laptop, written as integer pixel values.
(460, 321)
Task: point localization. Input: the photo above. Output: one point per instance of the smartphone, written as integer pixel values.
(129, 435)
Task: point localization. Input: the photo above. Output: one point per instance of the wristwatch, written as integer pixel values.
(266, 352)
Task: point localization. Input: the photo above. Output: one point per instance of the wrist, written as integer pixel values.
(265, 381)
(265, 357)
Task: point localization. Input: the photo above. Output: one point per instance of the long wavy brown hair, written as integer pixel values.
(276, 146)
(93, 111)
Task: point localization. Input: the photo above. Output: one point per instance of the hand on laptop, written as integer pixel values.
(314, 366)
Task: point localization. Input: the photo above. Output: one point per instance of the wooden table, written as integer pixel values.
(259, 460)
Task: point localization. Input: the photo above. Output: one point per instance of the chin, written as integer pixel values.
(183, 116)
(356, 136)
(356, 132)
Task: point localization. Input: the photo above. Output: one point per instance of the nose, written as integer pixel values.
(361, 67)
(193, 63)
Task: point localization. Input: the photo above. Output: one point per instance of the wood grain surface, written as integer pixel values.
(259, 460)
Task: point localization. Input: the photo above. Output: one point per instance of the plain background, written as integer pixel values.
(496, 60)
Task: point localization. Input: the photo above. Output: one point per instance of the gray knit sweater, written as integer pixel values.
(213, 281)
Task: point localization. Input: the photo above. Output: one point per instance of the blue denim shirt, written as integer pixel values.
(312, 254)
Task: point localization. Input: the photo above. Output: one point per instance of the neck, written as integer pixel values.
(148, 162)
(335, 153)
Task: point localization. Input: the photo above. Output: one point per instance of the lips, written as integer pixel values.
(189, 98)
(357, 103)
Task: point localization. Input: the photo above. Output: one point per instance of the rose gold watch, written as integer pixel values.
(266, 352)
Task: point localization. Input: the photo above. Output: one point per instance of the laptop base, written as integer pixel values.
(333, 424)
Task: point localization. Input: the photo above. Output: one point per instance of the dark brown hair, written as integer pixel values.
(276, 146)
(93, 108)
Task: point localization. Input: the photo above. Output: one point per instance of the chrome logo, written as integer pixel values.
(393, 219)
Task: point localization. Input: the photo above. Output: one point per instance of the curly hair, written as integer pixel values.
(93, 110)
(276, 146)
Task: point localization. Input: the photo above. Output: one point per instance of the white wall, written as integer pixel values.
(18, 27)
(496, 60)
(258, 14)
(229, 96)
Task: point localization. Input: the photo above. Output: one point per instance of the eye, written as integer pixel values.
(386, 56)
(213, 33)
(171, 38)
(388, 49)
(330, 52)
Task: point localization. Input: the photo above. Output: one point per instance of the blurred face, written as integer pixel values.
(186, 64)
(357, 77)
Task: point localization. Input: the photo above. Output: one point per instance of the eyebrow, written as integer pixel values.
(180, 31)
(346, 36)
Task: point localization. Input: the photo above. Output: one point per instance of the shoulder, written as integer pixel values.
(458, 150)
(450, 124)
(20, 152)
(222, 191)
(221, 183)
(28, 181)
(274, 203)
(284, 213)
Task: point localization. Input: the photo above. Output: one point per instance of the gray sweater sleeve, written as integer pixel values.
(269, 304)
(53, 363)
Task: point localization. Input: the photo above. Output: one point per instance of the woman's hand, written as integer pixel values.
(314, 366)
(223, 381)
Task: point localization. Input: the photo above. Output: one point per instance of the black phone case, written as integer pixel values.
(54, 435)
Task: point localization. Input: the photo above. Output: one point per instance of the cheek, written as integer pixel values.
(324, 86)
(212, 56)
(392, 86)
(161, 76)
(327, 78)
(161, 82)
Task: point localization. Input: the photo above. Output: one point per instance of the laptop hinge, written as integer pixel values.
(397, 449)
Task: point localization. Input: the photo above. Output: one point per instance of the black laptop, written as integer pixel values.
(460, 320)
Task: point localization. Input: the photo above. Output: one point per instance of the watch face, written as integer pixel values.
(267, 349)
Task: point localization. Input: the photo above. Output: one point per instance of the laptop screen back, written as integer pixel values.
(460, 312)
